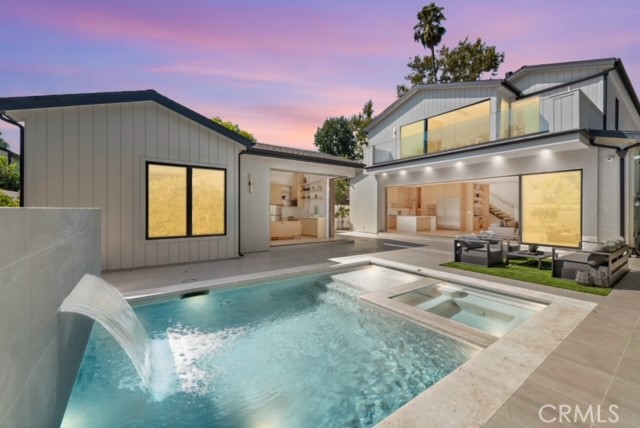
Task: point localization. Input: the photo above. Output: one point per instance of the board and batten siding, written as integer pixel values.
(538, 80)
(427, 103)
(95, 156)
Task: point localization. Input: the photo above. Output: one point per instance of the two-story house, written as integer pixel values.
(548, 154)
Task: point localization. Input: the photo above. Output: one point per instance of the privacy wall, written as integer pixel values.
(43, 254)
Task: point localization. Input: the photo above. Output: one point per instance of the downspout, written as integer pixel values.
(239, 201)
(622, 153)
(605, 102)
(5, 118)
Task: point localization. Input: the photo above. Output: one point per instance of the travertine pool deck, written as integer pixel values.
(597, 363)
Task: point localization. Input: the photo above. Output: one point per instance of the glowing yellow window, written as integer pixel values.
(552, 209)
(167, 201)
(185, 201)
(208, 195)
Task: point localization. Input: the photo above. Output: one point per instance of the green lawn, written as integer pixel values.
(527, 270)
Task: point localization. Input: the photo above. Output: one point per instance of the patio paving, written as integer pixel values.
(597, 364)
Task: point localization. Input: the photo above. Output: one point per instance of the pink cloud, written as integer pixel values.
(234, 27)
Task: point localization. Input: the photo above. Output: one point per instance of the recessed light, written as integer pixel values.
(384, 174)
(403, 172)
(459, 163)
(498, 157)
(428, 168)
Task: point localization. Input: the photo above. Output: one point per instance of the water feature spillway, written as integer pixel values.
(97, 299)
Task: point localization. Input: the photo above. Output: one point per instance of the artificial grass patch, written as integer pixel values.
(527, 270)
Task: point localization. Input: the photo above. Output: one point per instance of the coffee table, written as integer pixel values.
(538, 257)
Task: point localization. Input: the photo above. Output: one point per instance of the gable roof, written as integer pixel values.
(603, 62)
(70, 100)
(430, 87)
(271, 150)
(607, 64)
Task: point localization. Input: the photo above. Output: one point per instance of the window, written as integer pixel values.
(552, 209)
(463, 127)
(525, 116)
(412, 138)
(185, 201)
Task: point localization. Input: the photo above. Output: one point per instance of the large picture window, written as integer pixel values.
(185, 201)
(463, 127)
(552, 209)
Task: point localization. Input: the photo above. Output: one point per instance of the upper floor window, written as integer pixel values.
(412, 139)
(185, 201)
(463, 127)
(525, 117)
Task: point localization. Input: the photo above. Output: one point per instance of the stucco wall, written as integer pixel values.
(43, 254)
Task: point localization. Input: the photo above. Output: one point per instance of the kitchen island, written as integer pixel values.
(413, 223)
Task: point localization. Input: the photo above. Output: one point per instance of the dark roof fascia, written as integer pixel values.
(432, 86)
(527, 68)
(292, 156)
(622, 72)
(70, 100)
(569, 83)
(497, 143)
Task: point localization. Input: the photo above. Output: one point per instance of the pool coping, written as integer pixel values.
(475, 391)
(470, 395)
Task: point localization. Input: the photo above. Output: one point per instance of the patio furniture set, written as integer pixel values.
(602, 264)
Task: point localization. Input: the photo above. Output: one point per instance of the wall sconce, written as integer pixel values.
(250, 184)
(636, 201)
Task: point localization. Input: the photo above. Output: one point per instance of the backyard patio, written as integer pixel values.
(594, 365)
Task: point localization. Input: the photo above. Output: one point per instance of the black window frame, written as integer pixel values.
(189, 201)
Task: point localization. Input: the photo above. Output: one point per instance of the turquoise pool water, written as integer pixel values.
(295, 353)
(491, 312)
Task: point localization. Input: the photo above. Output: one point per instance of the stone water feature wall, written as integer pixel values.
(43, 253)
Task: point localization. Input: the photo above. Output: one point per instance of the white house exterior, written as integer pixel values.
(465, 139)
(92, 150)
(104, 150)
(257, 166)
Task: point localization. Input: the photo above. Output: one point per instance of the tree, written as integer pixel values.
(336, 137)
(235, 128)
(9, 175)
(3, 143)
(429, 32)
(342, 191)
(465, 62)
(359, 122)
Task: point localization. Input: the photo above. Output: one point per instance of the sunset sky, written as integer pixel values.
(279, 68)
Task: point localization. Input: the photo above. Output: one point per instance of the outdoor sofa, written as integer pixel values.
(605, 263)
(473, 250)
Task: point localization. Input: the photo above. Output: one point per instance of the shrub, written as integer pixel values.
(9, 175)
(7, 201)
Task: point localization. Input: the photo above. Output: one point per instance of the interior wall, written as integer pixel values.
(44, 253)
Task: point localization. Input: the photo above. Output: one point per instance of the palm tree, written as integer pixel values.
(429, 32)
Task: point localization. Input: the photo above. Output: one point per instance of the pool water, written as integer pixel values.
(295, 353)
(491, 312)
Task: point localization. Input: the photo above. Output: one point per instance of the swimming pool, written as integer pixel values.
(291, 353)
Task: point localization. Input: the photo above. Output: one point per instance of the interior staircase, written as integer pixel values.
(502, 215)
